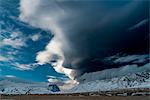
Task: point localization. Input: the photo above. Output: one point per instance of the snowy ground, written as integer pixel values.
(134, 80)
(11, 85)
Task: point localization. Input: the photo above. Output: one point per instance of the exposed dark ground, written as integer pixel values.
(59, 97)
(123, 94)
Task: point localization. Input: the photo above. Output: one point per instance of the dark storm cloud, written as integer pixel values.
(88, 30)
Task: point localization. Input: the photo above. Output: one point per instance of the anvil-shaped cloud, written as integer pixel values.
(85, 31)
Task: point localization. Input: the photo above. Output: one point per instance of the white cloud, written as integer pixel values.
(15, 34)
(14, 52)
(58, 78)
(43, 57)
(68, 85)
(16, 40)
(54, 53)
(53, 80)
(15, 43)
(2, 58)
(35, 37)
(62, 82)
(11, 76)
(6, 58)
(24, 66)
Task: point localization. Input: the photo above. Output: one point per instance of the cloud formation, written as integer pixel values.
(35, 37)
(23, 67)
(11, 76)
(62, 82)
(15, 40)
(2, 58)
(85, 31)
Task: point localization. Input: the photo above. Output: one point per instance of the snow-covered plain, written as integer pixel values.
(13, 85)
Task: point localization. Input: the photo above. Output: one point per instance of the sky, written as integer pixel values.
(19, 44)
(42, 40)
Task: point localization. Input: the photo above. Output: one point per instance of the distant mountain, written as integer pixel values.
(54, 88)
(13, 85)
(134, 80)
